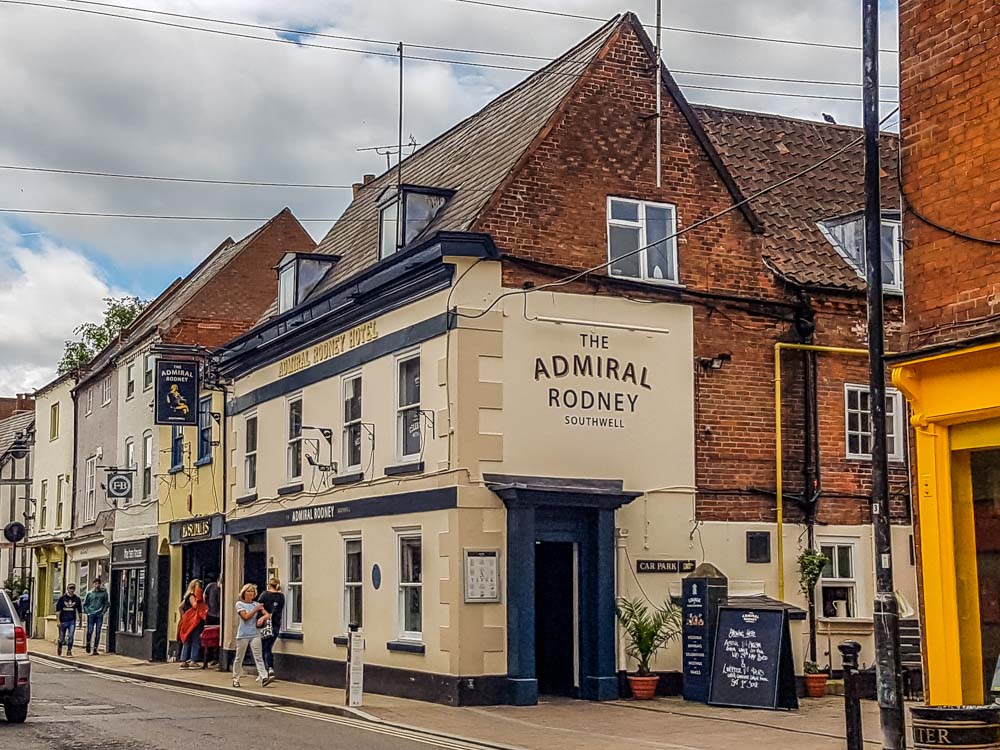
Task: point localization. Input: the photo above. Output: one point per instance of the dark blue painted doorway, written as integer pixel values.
(574, 512)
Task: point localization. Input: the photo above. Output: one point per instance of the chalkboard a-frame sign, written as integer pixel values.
(753, 665)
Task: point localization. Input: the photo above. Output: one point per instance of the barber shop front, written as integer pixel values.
(452, 483)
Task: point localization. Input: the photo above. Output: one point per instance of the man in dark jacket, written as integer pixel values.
(69, 608)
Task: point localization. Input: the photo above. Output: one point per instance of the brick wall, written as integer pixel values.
(554, 211)
(951, 167)
(238, 295)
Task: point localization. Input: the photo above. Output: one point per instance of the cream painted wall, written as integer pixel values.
(53, 457)
(138, 518)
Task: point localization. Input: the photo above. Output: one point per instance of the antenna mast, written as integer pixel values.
(399, 157)
(659, 100)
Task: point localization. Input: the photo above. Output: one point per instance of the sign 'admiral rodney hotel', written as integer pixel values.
(600, 406)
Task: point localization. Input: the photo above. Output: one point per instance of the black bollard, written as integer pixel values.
(849, 651)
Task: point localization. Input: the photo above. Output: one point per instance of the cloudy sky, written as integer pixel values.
(81, 89)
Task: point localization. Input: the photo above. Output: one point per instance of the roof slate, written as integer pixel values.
(10, 427)
(761, 149)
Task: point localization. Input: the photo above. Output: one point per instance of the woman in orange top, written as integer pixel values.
(194, 610)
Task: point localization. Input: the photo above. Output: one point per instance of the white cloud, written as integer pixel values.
(45, 292)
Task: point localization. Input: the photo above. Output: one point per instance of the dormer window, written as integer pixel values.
(847, 235)
(405, 213)
(298, 275)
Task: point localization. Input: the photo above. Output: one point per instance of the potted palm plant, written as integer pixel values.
(648, 628)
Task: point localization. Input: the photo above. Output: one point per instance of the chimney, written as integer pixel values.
(25, 402)
(368, 178)
(356, 188)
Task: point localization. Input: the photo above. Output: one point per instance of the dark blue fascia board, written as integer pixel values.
(390, 280)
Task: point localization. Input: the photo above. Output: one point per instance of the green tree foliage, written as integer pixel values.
(93, 337)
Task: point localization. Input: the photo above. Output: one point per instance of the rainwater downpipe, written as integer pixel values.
(778, 484)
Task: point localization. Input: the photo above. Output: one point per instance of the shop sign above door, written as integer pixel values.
(176, 392)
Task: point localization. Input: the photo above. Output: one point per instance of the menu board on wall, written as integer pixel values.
(482, 575)
(752, 665)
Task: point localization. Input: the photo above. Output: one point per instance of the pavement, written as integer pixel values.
(554, 724)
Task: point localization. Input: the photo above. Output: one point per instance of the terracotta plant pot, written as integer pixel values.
(643, 688)
(816, 685)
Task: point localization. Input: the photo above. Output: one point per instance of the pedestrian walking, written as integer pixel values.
(274, 603)
(213, 598)
(69, 608)
(252, 616)
(193, 614)
(23, 606)
(95, 604)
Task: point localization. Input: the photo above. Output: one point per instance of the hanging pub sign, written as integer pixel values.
(177, 392)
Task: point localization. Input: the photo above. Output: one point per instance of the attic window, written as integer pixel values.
(847, 235)
(298, 275)
(416, 206)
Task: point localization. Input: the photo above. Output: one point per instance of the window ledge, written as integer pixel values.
(290, 635)
(867, 459)
(291, 489)
(654, 282)
(175, 469)
(357, 476)
(203, 461)
(406, 647)
(411, 468)
(246, 499)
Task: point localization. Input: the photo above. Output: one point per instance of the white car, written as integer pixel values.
(15, 668)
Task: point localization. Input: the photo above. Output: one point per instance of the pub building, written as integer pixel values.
(450, 434)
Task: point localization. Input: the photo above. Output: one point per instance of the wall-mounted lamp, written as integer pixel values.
(716, 362)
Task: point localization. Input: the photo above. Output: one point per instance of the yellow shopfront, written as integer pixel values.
(955, 403)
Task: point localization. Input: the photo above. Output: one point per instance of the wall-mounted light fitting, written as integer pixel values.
(716, 362)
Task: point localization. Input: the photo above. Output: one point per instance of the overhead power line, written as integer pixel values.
(195, 180)
(376, 53)
(678, 29)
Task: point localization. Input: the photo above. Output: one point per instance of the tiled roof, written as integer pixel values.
(472, 158)
(10, 427)
(761, 149)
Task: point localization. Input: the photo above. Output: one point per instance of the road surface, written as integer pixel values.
(76, 710)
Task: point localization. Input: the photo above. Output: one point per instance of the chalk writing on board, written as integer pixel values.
(745, 659)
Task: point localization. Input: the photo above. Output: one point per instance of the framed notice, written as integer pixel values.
(482, 576)
(356, 669)
(176, 392)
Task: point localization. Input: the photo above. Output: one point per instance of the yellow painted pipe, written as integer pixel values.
(779, 488)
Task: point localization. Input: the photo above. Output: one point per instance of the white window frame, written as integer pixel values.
(130, 381)
(291, 441)
(401, 536)
(294, 587)
(43, 503)
(348, 424)
(148, 371)
(897, 256)
(401, 454)
(60, 483)
(90, 491)
(106, 390)
(90, 400)
(899, 433)
(248, 455)
(287, 285)
(643, 241)
(129, 462)
(349, 585)
(146, 489)
(853, 583)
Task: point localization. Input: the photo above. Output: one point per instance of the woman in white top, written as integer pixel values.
(252, 615)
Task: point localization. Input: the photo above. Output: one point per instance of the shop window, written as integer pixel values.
(410, 587)
(353, 589)
(43, 502)
(294, 451)
(130, 381)
(847, 235)
(82, 578)
(54, 421)
(177, 448)
(408, 430)
(56, 584)
(250, 453)
(147, 465)
(641, 242)
(205, 430)
(352, 421)
(294, 605)
(147, 373)
(837, 584)
(90, 495)
(857, 411)
(106, 391)
(131, 600)
(59, 520)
